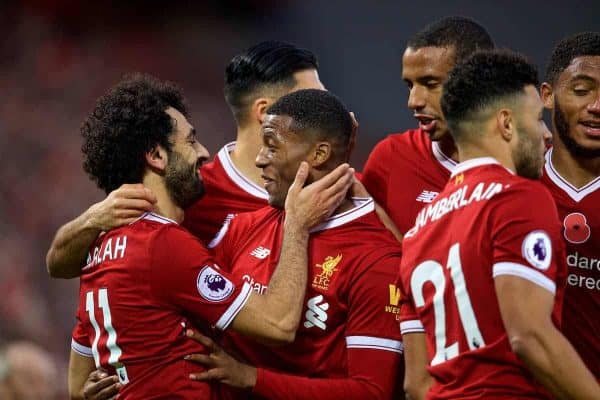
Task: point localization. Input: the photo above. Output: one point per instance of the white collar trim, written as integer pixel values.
(443, 159)
(236, 176)
(362, 206)
(573, 192)
(474, 162)
(157, 218)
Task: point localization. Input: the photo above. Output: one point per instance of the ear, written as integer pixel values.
(547, 95)
(259, 108)
(157, 158)
(505, 124)
(321, 153)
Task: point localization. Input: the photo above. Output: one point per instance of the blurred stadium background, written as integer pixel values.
(58, 56)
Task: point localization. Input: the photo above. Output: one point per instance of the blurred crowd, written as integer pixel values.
(54, 62)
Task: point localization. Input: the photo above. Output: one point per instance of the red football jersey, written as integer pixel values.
(579, 211)
(228, 192)
(405, 172)
(350, 302)
(485, 223)
(142, 285)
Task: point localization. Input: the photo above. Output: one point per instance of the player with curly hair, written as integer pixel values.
(146, 282)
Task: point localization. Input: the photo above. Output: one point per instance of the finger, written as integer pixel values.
(300, 179)
(140, 192)
(204, 340)
(330, 178)
(357, 189)
(97, 375)
(202, 359)
(354, 120)
(340, 186)
(108, 392)
(98, 386)
(134, 204)
(210, 375)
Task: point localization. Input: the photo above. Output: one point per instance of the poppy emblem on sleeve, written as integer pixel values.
(576, 228)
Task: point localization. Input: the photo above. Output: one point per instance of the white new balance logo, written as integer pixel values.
(427, 196)
(260, 252)
(316, 314)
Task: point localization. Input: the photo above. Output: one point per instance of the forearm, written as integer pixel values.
(276, 385)
(70, 246)
(556, 364)
(273, 318)
(288, 283)
(79, 369)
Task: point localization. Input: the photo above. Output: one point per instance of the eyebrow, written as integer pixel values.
(582, 77)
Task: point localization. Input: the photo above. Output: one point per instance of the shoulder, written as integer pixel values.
(245, 224)
(526, 193)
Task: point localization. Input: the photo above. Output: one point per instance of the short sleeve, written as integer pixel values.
(80, 342)
(371, 320)
(375, 175)
(225, 243)
(409, 319)
(525, 231)
(184, 275)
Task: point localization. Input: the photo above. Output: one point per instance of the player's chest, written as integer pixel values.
(581, 223)
(325, 301)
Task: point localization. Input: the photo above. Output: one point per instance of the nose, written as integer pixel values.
(594, 107)
(416, 98)
(261, 158)
(201, 152)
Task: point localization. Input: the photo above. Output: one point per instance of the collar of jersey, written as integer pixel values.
(443, 159)
(156, 218)
(236, 175)
(474, 162)
(362, 206)
(573, 192)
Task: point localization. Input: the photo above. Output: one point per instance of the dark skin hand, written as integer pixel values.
(101, 386)
(219, 365)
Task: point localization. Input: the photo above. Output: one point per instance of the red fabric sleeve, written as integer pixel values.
(527, 244)
(184, 275)
(371, 374)
(376, 174)
(80, 341)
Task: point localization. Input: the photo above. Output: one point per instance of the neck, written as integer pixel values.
(165, 206)
(575, 170)
(248, 143)
(501, 154)
(448, 147)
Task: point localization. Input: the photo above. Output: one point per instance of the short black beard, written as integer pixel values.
(562, 128)
(182, 181)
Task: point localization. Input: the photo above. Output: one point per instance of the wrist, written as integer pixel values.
(90, 219)
(250, 377)
(294, 226)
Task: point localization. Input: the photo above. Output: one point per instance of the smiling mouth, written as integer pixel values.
(592, 128)
(427, 123)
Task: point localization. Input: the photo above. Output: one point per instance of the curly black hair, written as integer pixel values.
(464, 34)
(577, 45)
(126, 122)
(481, 80)
(265, 64)
(316, 112)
